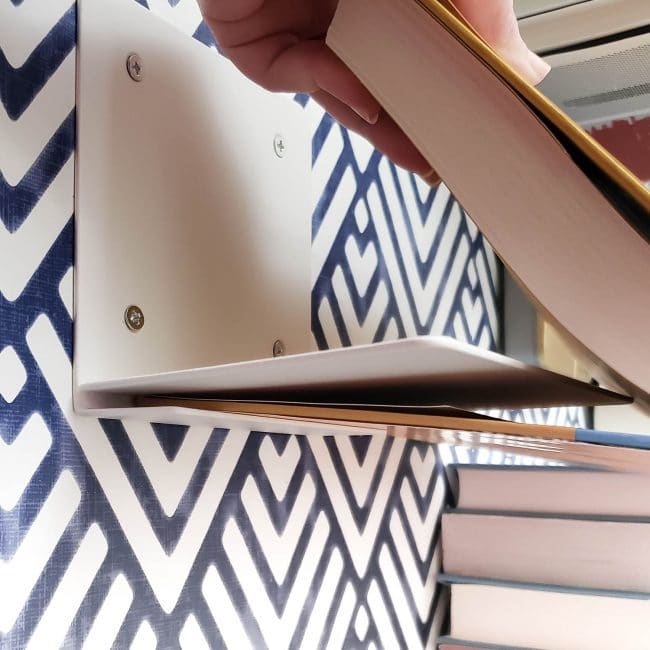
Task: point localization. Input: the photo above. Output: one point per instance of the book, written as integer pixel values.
(552, 490)
(547, 617)
(451, 428)
(574, 551)
(449, 643)
(381, 416)
(569, 221)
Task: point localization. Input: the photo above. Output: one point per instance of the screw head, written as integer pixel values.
(279, 145)
(278, 348)
(134, 318)
(134, 67)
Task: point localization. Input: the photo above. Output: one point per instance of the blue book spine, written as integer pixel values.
(632, 440)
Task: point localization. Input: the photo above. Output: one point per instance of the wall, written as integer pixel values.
(130, 534)
(629, 141)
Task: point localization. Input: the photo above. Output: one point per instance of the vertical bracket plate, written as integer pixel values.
(184, 208)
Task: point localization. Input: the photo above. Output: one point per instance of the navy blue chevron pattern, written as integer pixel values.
(19, 87)
(19, 200)
(130, 534)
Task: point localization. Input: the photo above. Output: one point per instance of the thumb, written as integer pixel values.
(496, 22)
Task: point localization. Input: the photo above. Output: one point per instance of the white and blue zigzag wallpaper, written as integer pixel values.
(134, 535)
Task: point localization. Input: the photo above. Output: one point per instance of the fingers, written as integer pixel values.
(284, 63)
(281, 47)
(431, 178)
(496, 22)
(313, 67)
(385, 135)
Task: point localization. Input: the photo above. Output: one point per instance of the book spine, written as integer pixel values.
(632, 440)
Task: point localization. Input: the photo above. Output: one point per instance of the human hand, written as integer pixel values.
(280, 44)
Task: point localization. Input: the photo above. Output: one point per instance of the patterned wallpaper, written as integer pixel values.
(137, 535)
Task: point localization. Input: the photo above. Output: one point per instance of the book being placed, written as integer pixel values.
(570, 221)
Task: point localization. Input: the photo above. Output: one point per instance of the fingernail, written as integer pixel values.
(364, 115)
(539, 66)
(431, 178)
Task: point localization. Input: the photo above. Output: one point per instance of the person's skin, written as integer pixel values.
(280, 44)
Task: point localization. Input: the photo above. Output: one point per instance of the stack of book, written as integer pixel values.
(548, 557)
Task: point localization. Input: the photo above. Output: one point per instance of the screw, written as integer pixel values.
(134, 67)
(278, 348)
(134, 318)
(279, 145)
